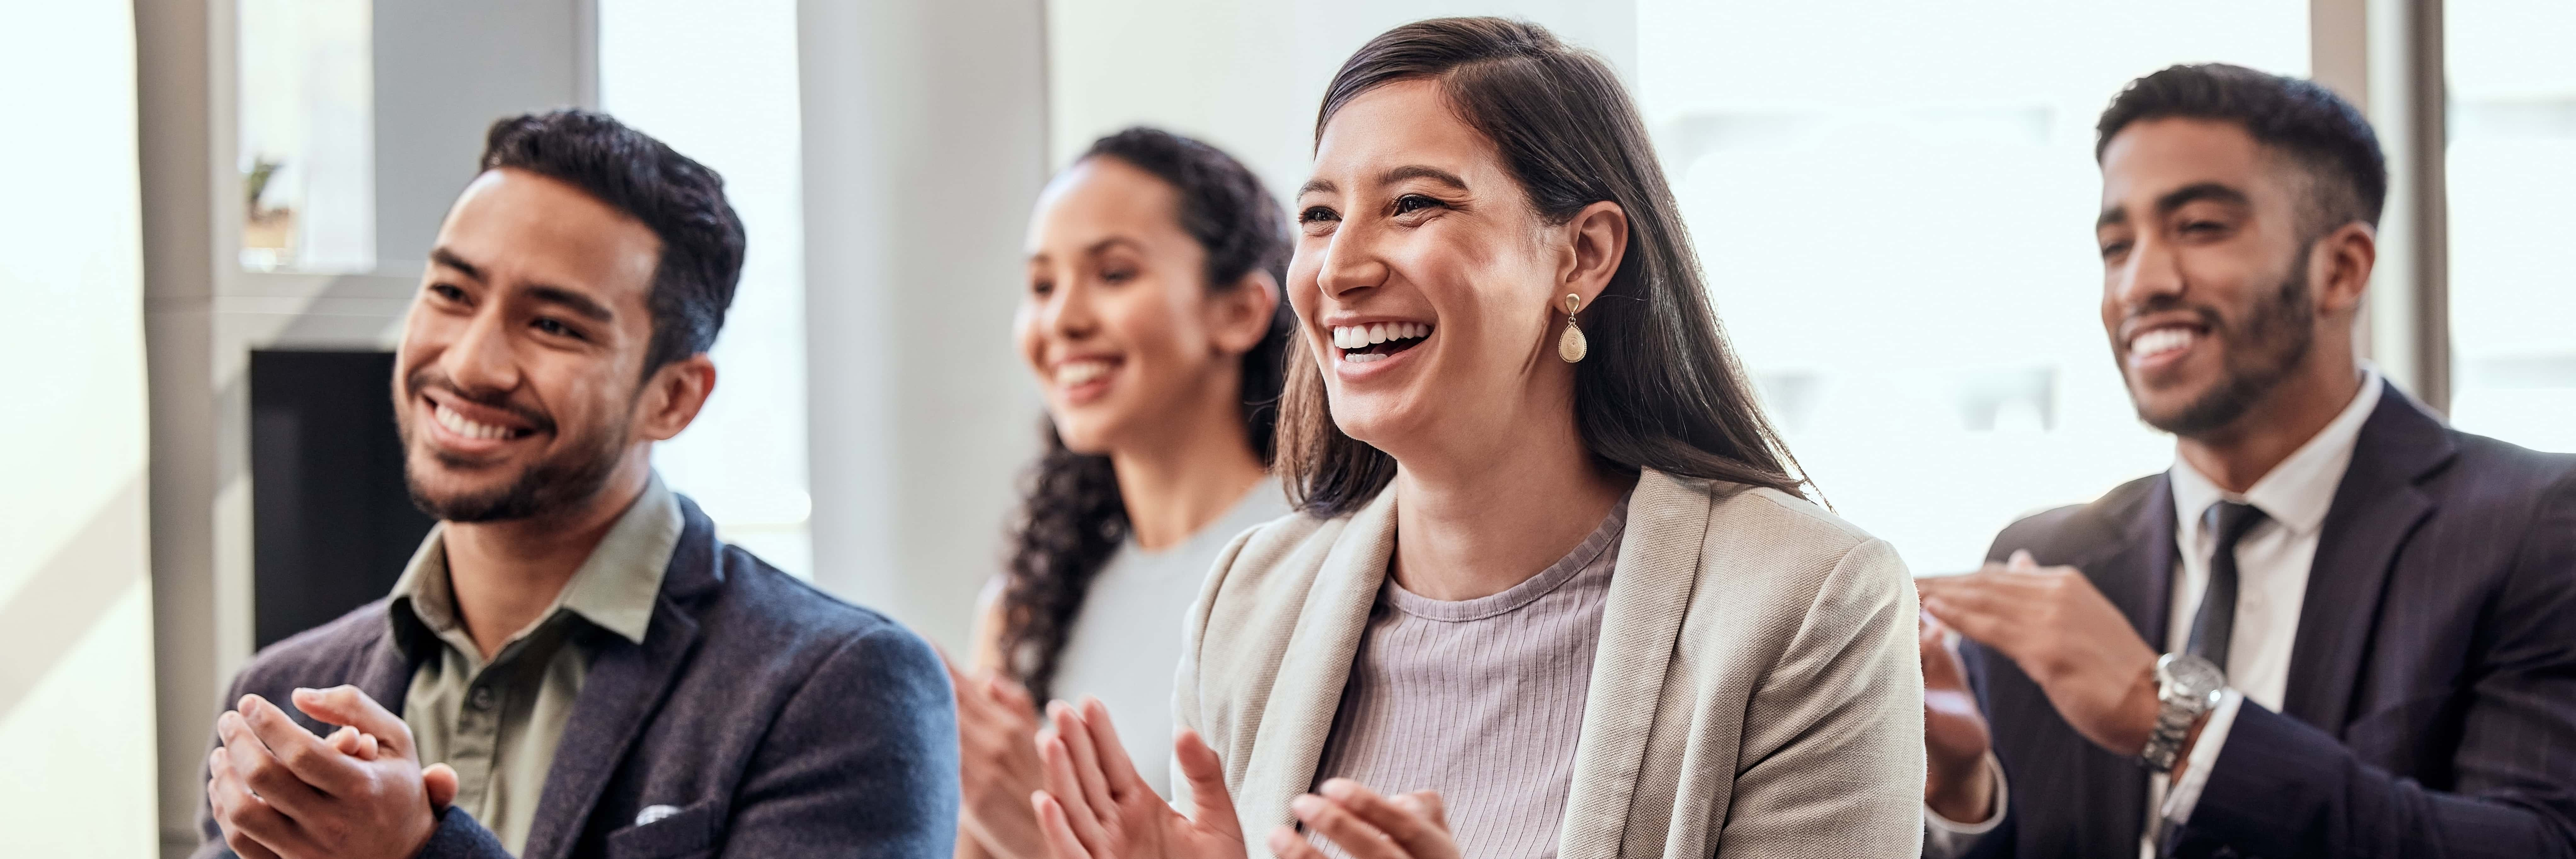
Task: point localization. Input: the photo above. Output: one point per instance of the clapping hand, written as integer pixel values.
(1955, 735)
(279, 792)
(1368, 826)
(2062, 632)
(997, 725)
(1095, 806)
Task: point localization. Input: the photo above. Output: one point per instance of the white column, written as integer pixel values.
(924, 144)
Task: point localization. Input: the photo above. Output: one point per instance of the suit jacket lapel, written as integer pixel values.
(2138, 576)
(2376, 509)
(626, 684)
(1650, 592)
(1317, 665)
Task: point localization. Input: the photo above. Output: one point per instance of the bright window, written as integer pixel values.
(2512, 171)
(1895, 206)
(718, 83)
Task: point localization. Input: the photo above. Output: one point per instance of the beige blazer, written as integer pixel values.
(1757, 691)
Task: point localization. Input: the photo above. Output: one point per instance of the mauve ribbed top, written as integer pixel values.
(1481, 700)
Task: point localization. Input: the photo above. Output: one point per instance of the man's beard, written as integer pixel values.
(559, 482)
(2272, 343)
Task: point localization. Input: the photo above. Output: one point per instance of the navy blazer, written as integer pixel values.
(780, 722)
(2431, 706)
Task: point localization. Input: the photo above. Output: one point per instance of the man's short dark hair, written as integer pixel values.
(680, 200)
(2317, 130)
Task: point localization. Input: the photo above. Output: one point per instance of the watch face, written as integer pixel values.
(2188, 676)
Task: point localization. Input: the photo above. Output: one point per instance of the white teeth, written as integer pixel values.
(457, 424)
(2160, 341)
(1363, 357)
(1364, 336)
(1078, 372)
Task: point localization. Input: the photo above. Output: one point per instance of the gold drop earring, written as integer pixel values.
(1571, 345)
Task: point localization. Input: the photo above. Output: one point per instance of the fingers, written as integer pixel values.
(1426, 804)
(1010, 694)
(438, 781)
(353, 742)
(309, 758)
(1212, 806)
(1941, 666)
(1064, 790)
(1410, 830)
(1077, 738)
(1115, 768)
(1285, 843)
(967, 686)
(1976, 604)
(258, 770)
(1061, 841)
(346, 705)
(2021, 561)
(1347, 830)
(243, 818)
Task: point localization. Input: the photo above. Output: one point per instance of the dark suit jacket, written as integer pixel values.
(2431, 708)
(779, 721)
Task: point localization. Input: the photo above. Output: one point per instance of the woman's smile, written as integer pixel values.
(1368, 348)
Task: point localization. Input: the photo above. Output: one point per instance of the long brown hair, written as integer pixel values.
(1661, 388)
(1072, 517)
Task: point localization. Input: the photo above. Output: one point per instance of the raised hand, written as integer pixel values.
(997, 727)
(279, 792)
(1096, 807)
(1955, 736)
(1367, 825)
(2069, 638)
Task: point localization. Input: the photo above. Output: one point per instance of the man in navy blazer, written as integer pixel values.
(573, 664)
(2336, 627)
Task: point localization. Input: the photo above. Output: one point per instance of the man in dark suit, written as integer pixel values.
(582, 666)
(2367, 620)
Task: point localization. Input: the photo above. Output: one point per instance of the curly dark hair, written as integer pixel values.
(1072, 518)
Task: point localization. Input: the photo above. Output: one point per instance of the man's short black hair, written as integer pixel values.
(2317, 130)
(680, 200)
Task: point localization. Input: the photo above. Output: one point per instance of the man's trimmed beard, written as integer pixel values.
(560, 482)
(2271, 344)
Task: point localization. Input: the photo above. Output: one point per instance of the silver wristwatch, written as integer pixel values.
(2186, 687)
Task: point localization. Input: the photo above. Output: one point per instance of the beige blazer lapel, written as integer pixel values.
(1650, 591)
(1308, 691)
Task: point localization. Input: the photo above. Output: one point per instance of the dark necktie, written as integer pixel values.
(2210, 631)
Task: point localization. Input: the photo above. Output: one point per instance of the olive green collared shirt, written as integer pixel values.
(497, 723)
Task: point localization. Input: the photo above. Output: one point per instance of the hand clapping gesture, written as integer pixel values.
(996, 725)
(279, 792)
(1096, 807)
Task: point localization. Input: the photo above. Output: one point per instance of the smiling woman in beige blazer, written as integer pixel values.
(1554, 591)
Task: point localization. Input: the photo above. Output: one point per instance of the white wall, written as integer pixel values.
(76, 694)
(1248, 76)
(924, 146)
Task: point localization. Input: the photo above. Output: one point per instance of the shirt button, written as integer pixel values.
(482, 699)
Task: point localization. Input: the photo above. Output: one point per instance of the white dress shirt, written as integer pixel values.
(2272, 561)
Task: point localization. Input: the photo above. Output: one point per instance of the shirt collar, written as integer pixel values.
(2295, 493)
(614, 588)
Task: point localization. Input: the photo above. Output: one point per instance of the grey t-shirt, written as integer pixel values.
(1125, 645)
(1481, 700)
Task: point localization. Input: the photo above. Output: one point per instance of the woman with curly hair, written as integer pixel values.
(1154, 323)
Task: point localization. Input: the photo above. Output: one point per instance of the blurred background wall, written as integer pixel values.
(76, 697)
(217, 210)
